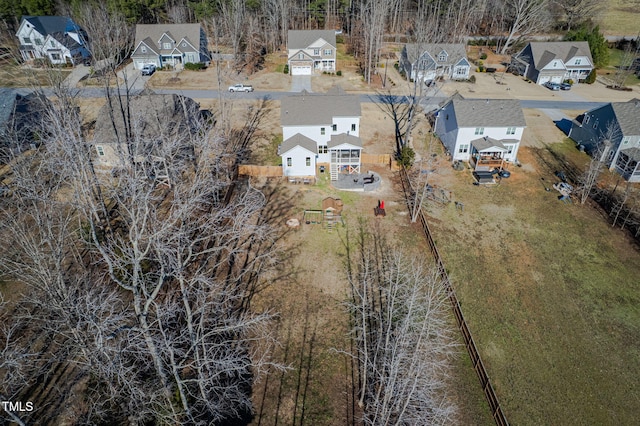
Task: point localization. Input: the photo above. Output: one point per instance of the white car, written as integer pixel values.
(240, 88)
(148, 69)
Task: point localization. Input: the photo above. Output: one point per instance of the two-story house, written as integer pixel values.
(320, 130)
(484, 132)
(169, 44)
(311, 50)
(554, 61)
(615, 128)
(429, 61)
(56, 38)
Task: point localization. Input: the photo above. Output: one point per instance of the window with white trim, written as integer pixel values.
(442, 57)
(308, 160)
(288, 161)
(301, 56)
(100, 150)
(464, 148)
(55, 57)
(166, 46)
(353, 127)
(143, 49)
(586, 119)
(509, 149)
(479, 131)
(328, 52)
(625, 140)
(334, 127)
(316, 52)
(323, 149)
(322, 130)
(578, 61)
(511, 130)
(27, 40)
(38, 42)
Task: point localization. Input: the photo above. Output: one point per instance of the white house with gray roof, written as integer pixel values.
(320, 129)
(617, 123)
(56, 38)
(429, 61)
(484, 132)
(554, 61)
(311, 50)
(169, 44)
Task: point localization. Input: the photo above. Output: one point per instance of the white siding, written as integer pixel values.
(299, 166)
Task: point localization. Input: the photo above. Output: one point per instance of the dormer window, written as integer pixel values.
(27, 40)
(184, 44)
(301, 56)
(442, 56)
(578, 61)
(166, 46)
(143, 49)
(316, 52)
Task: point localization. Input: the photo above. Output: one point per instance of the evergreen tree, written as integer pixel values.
(597, 43)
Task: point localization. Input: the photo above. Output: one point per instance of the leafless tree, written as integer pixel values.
(575, 12)
(527, 17)
(625, 68)
(600, 157)
(403, 338)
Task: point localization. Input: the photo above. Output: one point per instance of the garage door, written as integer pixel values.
(298, 70)
(556, 79)
(139, 64)
(543, 79)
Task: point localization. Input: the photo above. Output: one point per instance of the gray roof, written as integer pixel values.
(177, 32)
(7, 104)
(298, 140)
(301, 39)
(153, 115)
(308, 109)
(456, 51)
(46, 25)
(488, 113)
(344, 138)
(545, 52)
(628, 116)
(486, 142)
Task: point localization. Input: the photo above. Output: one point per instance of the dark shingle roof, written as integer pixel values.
(488, 113)
(298, 140)
(301, 39)
(176, 31)
(307, 109)
(628, 116)
(455, 51)
(46, 25)
(632, 153)
(486, 142)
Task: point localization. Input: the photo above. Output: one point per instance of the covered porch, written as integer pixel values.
(345, 153)
(628, 164)
(487, 154)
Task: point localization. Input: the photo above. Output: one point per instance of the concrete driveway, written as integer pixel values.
(300, 83)
(135, 80)
(76, 75)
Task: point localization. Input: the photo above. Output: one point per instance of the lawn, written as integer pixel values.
(17, 76)
(620, 18)
(550, 292)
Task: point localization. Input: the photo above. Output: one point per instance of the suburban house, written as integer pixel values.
(311, 50)
(613, 131)
(430, 61)
(484, 132)
(554, 61)
(161, 125)
(56, 38)
(169, 45)
(320, 131)
(20, 120)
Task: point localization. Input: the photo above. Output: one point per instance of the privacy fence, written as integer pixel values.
(492, 399)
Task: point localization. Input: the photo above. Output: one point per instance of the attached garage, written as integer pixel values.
(301, 70)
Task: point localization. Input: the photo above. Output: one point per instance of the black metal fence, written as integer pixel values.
(478, 366)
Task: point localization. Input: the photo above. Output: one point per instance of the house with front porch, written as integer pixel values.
(484, 132)
(554, 61)
(430, 61)
(55, 38)
(311, 50)
(169, 45)
(612, 131)
(320, 132)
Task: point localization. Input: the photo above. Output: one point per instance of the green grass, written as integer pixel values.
(552, 296)
(621, 18)
(616, 58)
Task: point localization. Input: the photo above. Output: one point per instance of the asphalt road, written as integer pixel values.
(96, 92)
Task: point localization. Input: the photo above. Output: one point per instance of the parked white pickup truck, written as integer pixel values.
(240, 88)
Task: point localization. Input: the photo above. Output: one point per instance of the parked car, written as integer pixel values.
(563, 188)
(552, 86)
(148, 69)
(565, 86)
(502, 173)
(240, 88)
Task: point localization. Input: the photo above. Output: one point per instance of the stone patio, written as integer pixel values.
(357, 182)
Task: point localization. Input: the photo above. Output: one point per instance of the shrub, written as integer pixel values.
(286, 69)
(592, 77)
(472, 79)
(569, 81)
(194, 66)
(483, 56)
(396, 66)
(339, 73)
(406, 157)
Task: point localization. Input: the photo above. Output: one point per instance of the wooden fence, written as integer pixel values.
(492, 399)
(266, 171)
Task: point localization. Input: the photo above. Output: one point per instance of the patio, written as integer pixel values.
(358, 182)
